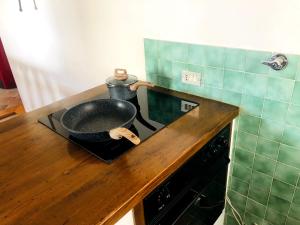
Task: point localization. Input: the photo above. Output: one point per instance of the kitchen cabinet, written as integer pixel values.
(49, 180)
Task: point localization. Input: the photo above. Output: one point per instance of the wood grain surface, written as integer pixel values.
(46, 180)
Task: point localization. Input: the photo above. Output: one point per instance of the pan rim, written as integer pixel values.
(98, 100)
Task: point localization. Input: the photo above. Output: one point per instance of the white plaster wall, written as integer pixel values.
(69, 46)
(271, 25)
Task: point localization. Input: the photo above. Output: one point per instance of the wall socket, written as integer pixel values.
(190, 77)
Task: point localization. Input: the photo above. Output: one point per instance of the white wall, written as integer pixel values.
(271, 25)
(64, 48)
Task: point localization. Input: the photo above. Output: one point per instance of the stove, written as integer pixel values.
(155, 110)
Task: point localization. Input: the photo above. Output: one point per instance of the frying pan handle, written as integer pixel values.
(138, 84)
(121, 74)
(120, 132)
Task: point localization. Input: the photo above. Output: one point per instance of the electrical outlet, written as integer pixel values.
(190, 77)
(187, 106)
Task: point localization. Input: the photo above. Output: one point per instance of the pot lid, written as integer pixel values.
(130, 80)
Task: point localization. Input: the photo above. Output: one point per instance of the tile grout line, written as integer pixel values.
(267, 206)
(292, 199)
(266, 155)
(252, 168)
(295, 185)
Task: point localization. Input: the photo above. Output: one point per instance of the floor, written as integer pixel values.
(10, 104)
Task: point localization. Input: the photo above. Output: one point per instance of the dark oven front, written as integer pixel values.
(194, 194)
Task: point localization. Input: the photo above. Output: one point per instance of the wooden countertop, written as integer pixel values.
(46, 180)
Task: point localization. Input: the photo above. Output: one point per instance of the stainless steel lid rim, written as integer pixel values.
(112, 82)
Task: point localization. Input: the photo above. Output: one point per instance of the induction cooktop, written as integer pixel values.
(155, 110)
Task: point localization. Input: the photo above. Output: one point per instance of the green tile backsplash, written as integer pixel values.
(264, 182)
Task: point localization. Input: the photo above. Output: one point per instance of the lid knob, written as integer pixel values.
(121, 74)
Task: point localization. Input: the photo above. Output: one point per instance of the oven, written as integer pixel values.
(195, 193)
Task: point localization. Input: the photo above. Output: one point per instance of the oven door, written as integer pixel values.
(194, 194)
(201, 205)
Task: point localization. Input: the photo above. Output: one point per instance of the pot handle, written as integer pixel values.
(138, 84)
(121, 74)
(120, 132)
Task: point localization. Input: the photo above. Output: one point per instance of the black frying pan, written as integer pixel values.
(101, 120)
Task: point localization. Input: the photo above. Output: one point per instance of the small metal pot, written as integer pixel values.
(123, 86)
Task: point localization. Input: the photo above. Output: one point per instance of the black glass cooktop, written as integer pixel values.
(155, 110)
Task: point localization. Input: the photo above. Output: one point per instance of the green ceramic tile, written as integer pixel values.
(235, 59)
(230, 220)
(274, 110)
(279, 205)
(291, 136)
(164, 81)
(214, 56)
(252, 219)
(271, 130)
(296, 199)
(249, 124)
(296, 93)
(282, 190)
(286, 173)
(246, 141)
(214, 93)
(255, 208)
(151, 48)
(213, 77)
(241, 172)
(173, 51)
(255, 85)
(244, 158)
(267, 148)
(275, 217)
(289, 155)
(295, 211)
(265, 222)
(261, 181)
(258, 195)
(291, 69)
(234, 81)
(196, 68)
(280, 89)
(239, 186)
(228, 210)
(252, 105)
(291, 221)
(298, 72)
(151, 77)
(264, 165)
(232, 98)
(253, 62)
(200, 91)
(165, 68)
(293, 115)
(177, 68)
(237, 200)
(196, 55)
(151, 64)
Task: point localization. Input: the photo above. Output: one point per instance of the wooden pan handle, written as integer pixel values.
(138, 84)
(121, 74)
(120, 132)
